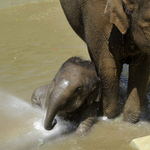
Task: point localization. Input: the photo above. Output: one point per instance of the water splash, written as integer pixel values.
(104, 118)
(61, 126)
(23, 125)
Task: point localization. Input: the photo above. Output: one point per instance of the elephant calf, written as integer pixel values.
(72, 94)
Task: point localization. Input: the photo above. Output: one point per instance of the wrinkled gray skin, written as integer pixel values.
(116, 32)
(73, 94)
(39, 96)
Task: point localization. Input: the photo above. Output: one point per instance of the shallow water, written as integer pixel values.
(22, 128)
(35, 40)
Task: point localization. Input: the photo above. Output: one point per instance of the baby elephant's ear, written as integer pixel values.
(94, 95)
(114, 11)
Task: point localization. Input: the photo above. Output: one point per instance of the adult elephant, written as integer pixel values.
(116, 32)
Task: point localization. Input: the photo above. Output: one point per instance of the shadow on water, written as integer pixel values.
(22, 126)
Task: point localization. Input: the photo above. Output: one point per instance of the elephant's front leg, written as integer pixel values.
(89, 118)
(110, 70)
(104, 46)
(139, 72)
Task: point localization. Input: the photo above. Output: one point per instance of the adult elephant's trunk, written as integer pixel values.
(55, 102)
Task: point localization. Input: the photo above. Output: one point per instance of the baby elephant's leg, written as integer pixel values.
(90, 118)
(85, 125)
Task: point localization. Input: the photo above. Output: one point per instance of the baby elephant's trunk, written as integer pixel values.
(50, 120)
(54, 105)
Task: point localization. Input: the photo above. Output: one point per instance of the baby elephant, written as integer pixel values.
(74, 94)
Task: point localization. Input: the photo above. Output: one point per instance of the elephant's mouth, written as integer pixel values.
(78, 112)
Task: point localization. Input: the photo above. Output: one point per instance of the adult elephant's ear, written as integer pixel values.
(131, 4)
(114, 11)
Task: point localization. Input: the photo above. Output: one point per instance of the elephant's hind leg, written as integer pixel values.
(138, 81)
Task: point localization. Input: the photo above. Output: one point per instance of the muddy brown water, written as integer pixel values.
(35, 40)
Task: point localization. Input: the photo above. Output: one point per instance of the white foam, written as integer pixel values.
(104, 118)
(60, 127)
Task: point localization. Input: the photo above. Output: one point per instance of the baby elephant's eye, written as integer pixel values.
(78, 89)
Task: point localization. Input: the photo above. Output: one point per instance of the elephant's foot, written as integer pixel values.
(112, 112)
(132, 110)
(131, 116)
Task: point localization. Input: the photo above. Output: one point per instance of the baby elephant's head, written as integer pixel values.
(75, 84)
